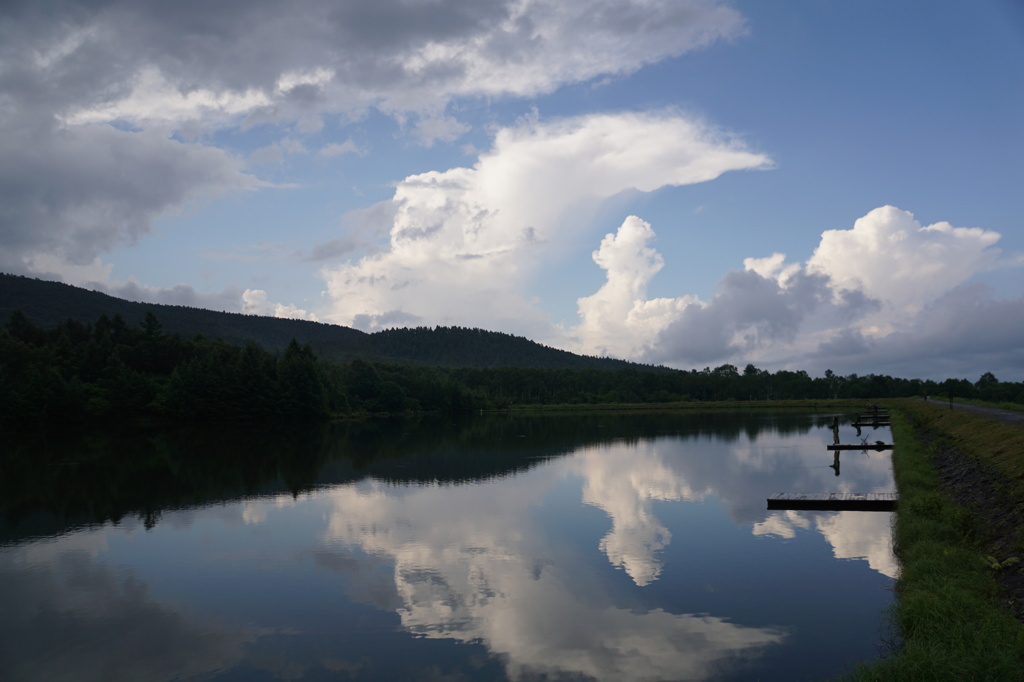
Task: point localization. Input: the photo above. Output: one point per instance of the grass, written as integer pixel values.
(947, 619)
(999, 445)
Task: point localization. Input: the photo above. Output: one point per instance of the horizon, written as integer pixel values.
(739, 368)
(685, 184)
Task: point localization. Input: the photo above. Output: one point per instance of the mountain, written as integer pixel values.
(466, 347)
(47, 303)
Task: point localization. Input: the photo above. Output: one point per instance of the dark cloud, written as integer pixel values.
(399, 24)
(846, 343)
(748, 311)
(228, 300)
(392, 318)
(854, 303)
(374, 49)
(79, 192)
(964, 333)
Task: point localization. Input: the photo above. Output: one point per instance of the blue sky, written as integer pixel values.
(799, 184)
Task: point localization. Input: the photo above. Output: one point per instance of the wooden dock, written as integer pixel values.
(834, 501)
(872, 424)
(862, 445)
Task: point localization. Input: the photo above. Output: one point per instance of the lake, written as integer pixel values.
(612, 547)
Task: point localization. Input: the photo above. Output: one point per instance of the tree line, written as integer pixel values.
(76, 372)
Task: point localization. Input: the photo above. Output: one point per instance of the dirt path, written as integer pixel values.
(1005, 416)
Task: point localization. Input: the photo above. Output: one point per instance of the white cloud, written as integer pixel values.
(153, 98)
(889, 293)
(254, 302)
(618, 320)
(465, 243)
(891, 257)
(773, 267)
(749, 311)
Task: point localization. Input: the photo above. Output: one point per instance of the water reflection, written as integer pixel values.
(624, 482)
(477, 564)
(67, 616)
(606, 547)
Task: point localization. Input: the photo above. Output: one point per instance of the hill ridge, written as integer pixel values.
(46, 303)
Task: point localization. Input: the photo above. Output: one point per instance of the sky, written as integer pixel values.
(802, 184)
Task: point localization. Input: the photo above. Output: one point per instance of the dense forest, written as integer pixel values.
(109, 369)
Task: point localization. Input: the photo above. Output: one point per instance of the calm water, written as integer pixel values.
(605, 547)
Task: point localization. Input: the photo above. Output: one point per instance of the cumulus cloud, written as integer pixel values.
(763, 304)
(891, 257)
(889, 292)
(465, 243)
(618, 320)
(254, 302)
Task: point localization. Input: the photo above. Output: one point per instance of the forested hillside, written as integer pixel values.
(45, 304)
(56, 364)
(464, 347)
(111, 370)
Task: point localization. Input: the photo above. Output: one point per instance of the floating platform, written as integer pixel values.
(861, 446)
(834, 501)
(874, 424)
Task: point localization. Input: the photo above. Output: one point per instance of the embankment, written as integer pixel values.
(959, 535)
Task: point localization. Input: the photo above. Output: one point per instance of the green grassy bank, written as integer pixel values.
(947, 620)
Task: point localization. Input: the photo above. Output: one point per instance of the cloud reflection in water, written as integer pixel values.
(474, 563)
